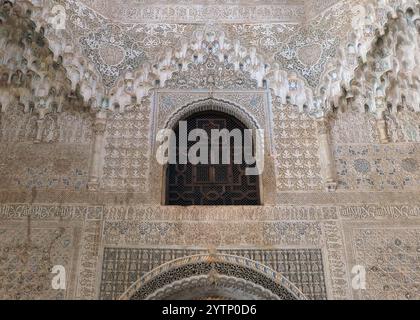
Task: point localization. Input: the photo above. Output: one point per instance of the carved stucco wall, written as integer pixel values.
(365, 164)
(27, 251)
(376, 230)
(48, 217)
(384, 238)
(59, 161)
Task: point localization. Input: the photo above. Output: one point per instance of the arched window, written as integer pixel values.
(211, 183)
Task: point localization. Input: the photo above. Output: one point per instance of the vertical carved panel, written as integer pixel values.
(88, 264)
(296, 149)
(127, 150)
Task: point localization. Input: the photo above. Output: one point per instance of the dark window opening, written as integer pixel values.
(211, 184)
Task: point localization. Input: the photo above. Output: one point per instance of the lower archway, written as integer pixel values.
(213, 276)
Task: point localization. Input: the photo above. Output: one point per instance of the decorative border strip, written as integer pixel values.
(295, 198)
(145, 213)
